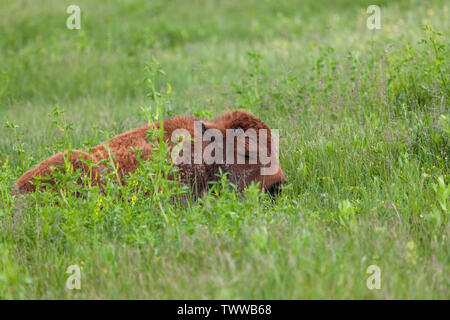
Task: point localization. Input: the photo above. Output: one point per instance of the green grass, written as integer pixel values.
(364, 142)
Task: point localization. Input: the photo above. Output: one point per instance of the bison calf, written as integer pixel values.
(237, 143)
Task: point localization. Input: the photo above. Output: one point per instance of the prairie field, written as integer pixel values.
(364, 128)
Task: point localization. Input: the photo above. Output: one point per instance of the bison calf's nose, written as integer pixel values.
(275, 189)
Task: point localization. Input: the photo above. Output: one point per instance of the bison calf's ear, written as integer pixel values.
(200, 126)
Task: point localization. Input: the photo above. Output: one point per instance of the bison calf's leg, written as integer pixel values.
(78, 159)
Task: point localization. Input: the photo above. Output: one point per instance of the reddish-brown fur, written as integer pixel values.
(196, 175)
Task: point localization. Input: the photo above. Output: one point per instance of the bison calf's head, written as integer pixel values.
(241, 145)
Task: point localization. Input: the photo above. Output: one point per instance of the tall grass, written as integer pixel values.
(364, 143)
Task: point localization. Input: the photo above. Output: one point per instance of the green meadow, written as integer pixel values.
(364, 128)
